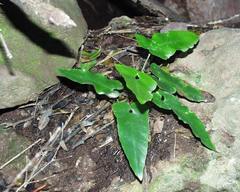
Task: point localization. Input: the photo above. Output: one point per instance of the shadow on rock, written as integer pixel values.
(35, 33)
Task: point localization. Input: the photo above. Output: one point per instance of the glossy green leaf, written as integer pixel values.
(141, 84)
(101, 83)
(167, 101)
(173, 84)
(88, 65)
(164, 45)
(133, 132)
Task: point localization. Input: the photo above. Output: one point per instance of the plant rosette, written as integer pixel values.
(158, 87)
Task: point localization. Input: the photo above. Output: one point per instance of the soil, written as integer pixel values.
(97, 160)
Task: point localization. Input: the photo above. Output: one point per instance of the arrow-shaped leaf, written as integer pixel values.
(101, 83)
(133, 132)
(141, 84)
(164, 45)
(173, 84)
(167, 101)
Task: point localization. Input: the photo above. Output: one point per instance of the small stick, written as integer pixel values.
(81, 141)
(39, 156)
(145, 63)
(76, 128)
(24, 170)
(121, 31)
(8, 55)
(110, 55)
(93, 115)
(223, 20)
(19, 154)
(174, 147)
(43, 179)
(35, 172)
(39, 189)
(79, 54)
(5, 47)
(13, 125)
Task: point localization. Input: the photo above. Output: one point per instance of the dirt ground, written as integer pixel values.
(78, 147)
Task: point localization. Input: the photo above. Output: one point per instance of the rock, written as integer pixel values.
(174, 26)
(213, 66)
(10, 145)
(42, 36)
(120, 22)
(177, 6)
(15, 88)
(210, 10)
(104, 11)
(157, 7)
(47, 13)
(200, 12)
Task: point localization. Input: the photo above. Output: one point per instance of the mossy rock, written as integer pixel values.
(12, 144)
(35, 60)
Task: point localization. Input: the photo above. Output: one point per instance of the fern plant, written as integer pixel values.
(158, 87)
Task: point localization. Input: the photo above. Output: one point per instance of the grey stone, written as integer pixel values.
(33, 66)
(15, 87)
(11, 145)
(174, 26)
(214, 67)
(209, 10)
(160, 8)
(200, 12)
(46, 12)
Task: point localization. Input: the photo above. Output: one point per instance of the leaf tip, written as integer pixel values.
(140, 176)
(210, 145)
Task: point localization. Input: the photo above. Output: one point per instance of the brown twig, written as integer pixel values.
(39, 189)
